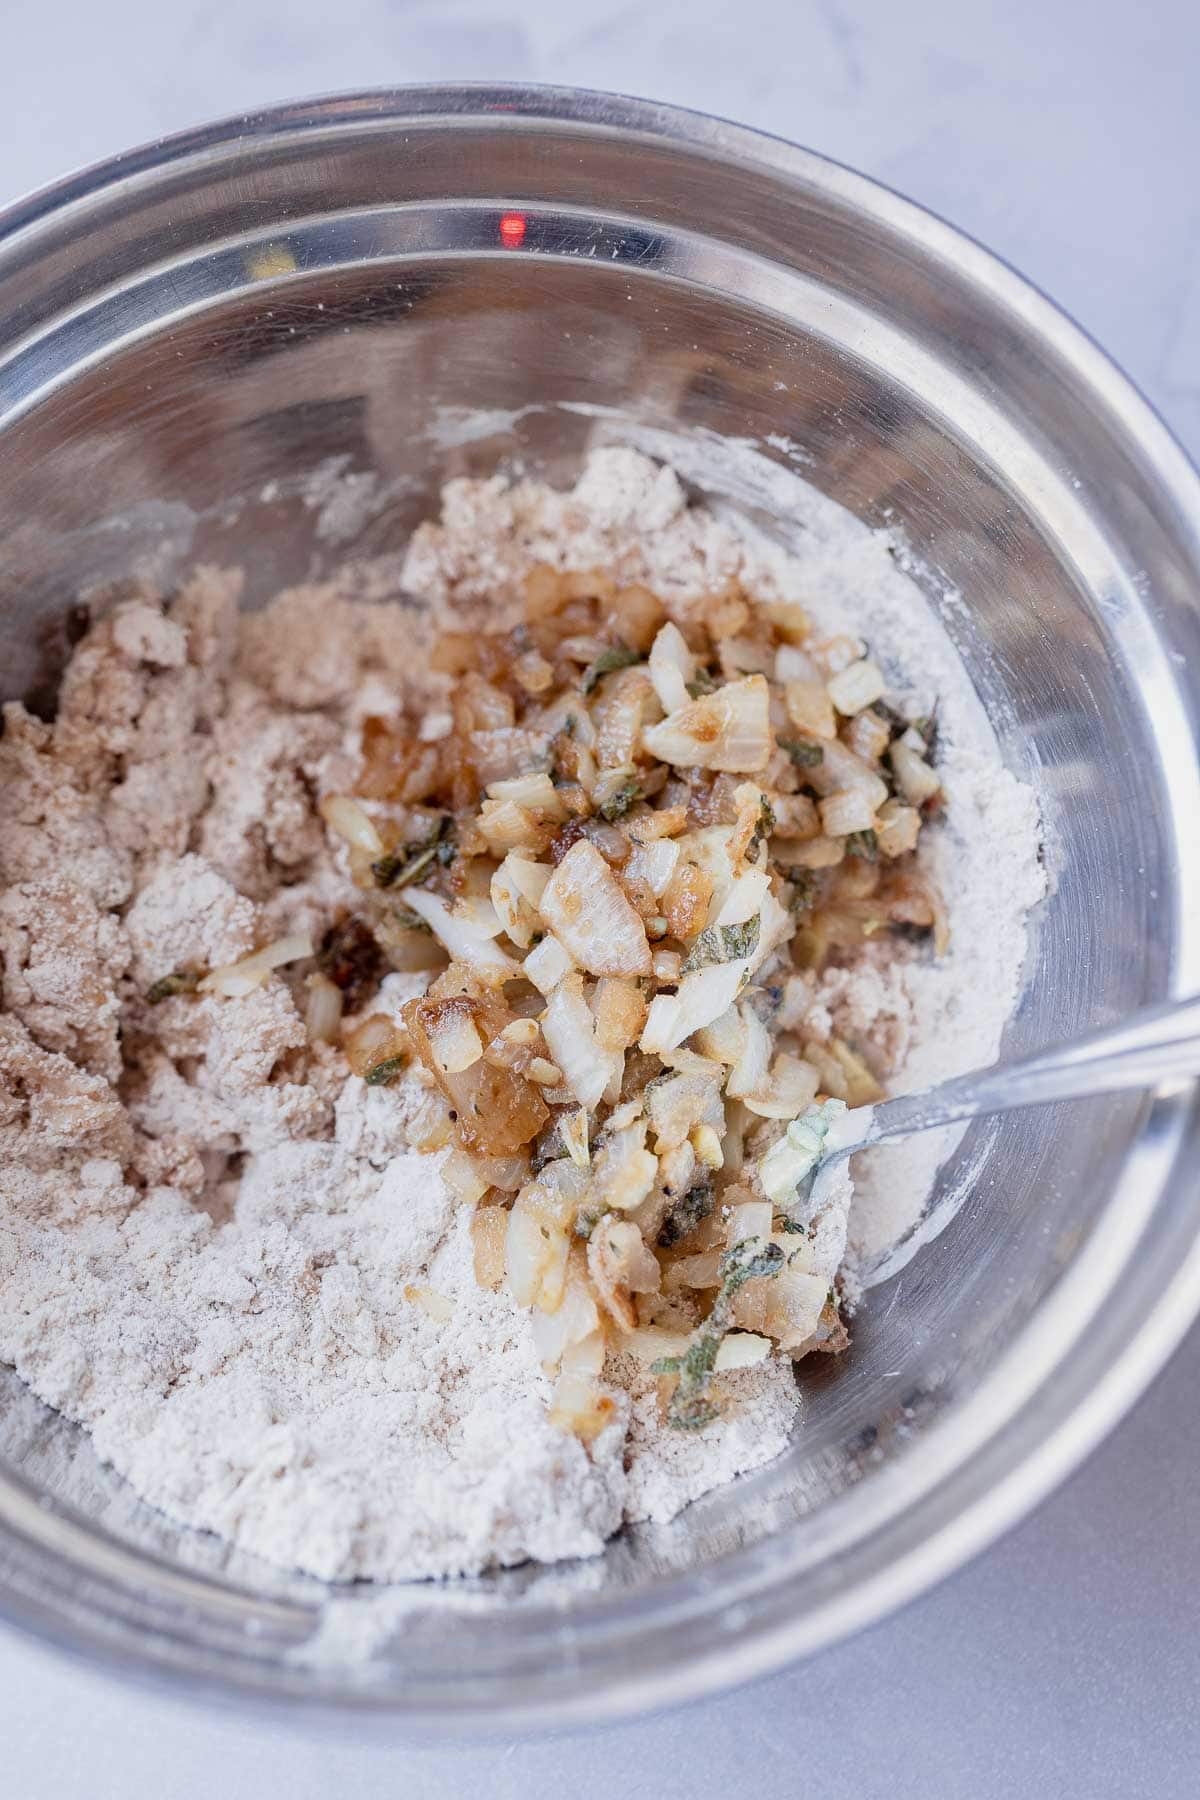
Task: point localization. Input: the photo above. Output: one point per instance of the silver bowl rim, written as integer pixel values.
(1071, 1438)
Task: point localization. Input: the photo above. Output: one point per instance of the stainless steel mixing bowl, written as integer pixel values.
(186, 333)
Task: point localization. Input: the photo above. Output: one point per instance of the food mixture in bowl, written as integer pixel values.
(424, 1001)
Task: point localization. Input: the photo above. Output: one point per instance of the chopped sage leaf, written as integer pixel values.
(686, 1214)
(689, 1409)
(864, 844)
(722, 944)
(400, 867)
(804, 753)
(621, 799)
(384, 1072)
(179, 981)
(620, 656)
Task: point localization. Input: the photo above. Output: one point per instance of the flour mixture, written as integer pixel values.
(424, 1001)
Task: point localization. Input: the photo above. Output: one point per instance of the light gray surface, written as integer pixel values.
(1065, 135)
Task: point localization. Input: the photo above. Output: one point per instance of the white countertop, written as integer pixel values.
(1066, 135)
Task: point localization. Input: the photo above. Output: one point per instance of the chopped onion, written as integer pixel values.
(455, 1041)
(749, 1072)
(672, 666)
(323, 1009)
(792, 664)
(914, 777)
(547, 964)
(846, 812)
(573, 1129)
(585, 907)
(505, 826)
(856, 686)
(839, 770)
(619, 1011)
(575, 1321)
(489, 1227)
(729, 729)
(620, 1266)
(654, 863)
(435, 1305)
(569, 1030)
(744, 899)
(725, 1038)
(536, 791)
(580, 1407)
(464, 943)
(650, 1343)
(702, 997)
(810, 709)
(535, 1258)
(741, 1350)
(347, 818)
(463, 1178)
(897, 828)
(238, 979)
(750, 1220)
(790, 1087)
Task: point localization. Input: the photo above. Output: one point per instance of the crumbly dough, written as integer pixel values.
(211, 1233)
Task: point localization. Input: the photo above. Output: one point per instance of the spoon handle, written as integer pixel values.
(1160, 1043)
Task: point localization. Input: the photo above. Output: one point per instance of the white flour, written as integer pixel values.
(211, 1264)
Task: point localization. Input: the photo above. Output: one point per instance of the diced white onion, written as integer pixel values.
(672, 666)
(454, 1040)
(729, 729)
(322, 1009)
(856, 686)
(536, 791)
(702, 997)
(749, 1072)
(653, 862)
(585, 907)
(914, 777)
(238, 979)
(347, 818)
(744, 899)
(464, 943)
(846, 812)
(569, 1029)
(547, 964)
(741, 1350)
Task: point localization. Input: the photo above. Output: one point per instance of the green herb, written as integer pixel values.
(179, 981)
(621, 799)
(928, 729)
(686, 1214)
(864, 844)
(401, 867)
(804, 754)
(384, 1072)
(764, 827)
(702, 684)
(586, 1223)
(689, 1409)
(570, 725)
(791, 1227)
(804, 891)
(619, 656)
(411, 921)
(722, 944)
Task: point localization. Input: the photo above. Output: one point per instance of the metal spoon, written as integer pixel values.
(1160, 1043)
